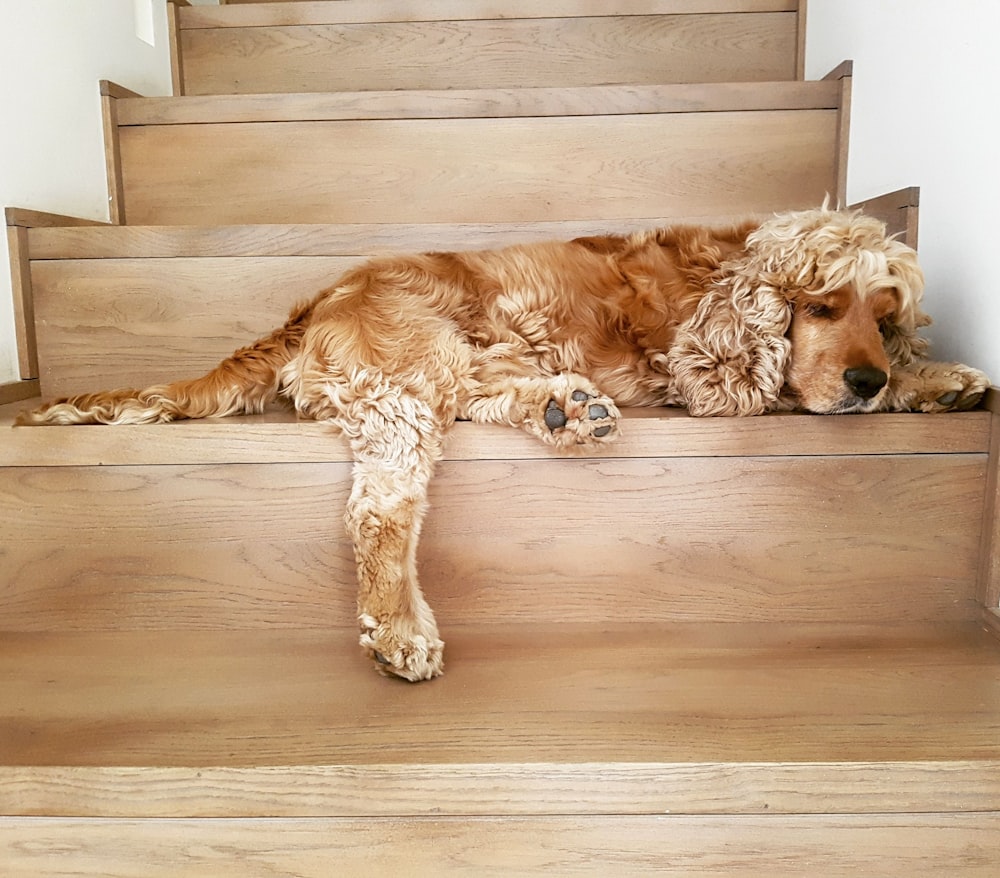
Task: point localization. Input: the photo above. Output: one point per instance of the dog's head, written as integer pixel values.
(815, 312)
(854, 297)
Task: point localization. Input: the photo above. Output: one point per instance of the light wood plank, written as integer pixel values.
(486, 103)
(507, 51)
(344, 239)
(176, 59)
(135, 323)
(23, 301)
(528, 719)
(899, 210)
(20, 216)
(919, 846)
(279, 437)
(989, 551)
(253, 546)
(112, 153)
(16, 391)
(531, 788)
(361, 11)
(471, 170)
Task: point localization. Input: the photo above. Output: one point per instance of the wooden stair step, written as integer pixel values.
(505, 156)
(366, 45)
(238, 524)
(874, 845)
(626, 718)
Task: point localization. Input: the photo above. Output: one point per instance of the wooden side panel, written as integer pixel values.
(882, 846)
(479, 170)
(502, 52)
(899, 211)
(23, 301)
(809, 539)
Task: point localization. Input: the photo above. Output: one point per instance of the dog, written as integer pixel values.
(814, 310)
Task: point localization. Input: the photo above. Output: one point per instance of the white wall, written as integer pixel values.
(52, 55)
(926, 112)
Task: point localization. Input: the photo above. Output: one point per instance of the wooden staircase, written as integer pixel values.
(756, 647)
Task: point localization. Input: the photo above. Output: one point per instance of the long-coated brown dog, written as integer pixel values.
(814, 310)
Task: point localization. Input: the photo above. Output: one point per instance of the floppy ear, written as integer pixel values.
(729, 359)
(900, 335)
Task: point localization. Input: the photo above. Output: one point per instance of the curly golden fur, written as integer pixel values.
(814, 310)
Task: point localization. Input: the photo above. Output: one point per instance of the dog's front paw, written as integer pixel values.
(947, 387)
(399, 652)
(577, 414)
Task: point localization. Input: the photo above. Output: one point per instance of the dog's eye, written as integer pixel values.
(819, 310)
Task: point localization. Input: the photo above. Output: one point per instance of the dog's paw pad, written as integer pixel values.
(948, 398)
(555, 417)
(577, 417)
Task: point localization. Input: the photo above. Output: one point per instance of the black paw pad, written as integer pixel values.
(948, 398)
(597, 412)
(381, 659)
(602, 431)
(555, 417)
(580, 395)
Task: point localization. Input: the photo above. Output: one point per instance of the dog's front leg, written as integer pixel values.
(928, 386)
(396, 445)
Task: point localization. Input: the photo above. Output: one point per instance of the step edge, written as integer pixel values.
(961, 785)
(647, 433)
(348, 12)
(600, 100)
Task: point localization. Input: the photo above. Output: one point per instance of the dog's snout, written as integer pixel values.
(865, 381)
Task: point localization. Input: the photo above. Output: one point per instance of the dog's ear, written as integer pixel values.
(900, 337)
(729, 359)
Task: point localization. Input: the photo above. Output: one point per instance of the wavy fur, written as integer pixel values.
(815, 310)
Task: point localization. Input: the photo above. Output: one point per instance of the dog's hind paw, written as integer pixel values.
(576, 416)
(414, 657)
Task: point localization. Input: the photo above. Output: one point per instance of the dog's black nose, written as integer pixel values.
(865, 381)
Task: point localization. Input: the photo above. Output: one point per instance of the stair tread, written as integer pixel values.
(365, 11)
(617, 100)
(523, 702)
(278, 436)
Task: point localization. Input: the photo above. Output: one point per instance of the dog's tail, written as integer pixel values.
(241, 384)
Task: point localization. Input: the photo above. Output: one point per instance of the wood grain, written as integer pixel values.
(23, 302)
(838, 539)
(611, 100)
(348, 11)
(899, 210)
(16, 391)
(883, 846)
(278, 437)
(343, 239)
(497, 52)
(112, 152)
(478, 170)
(677, 716)
(141, 322)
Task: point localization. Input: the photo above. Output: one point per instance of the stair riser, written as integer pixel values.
(479, 170)
(556, 52)
(867, 539)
